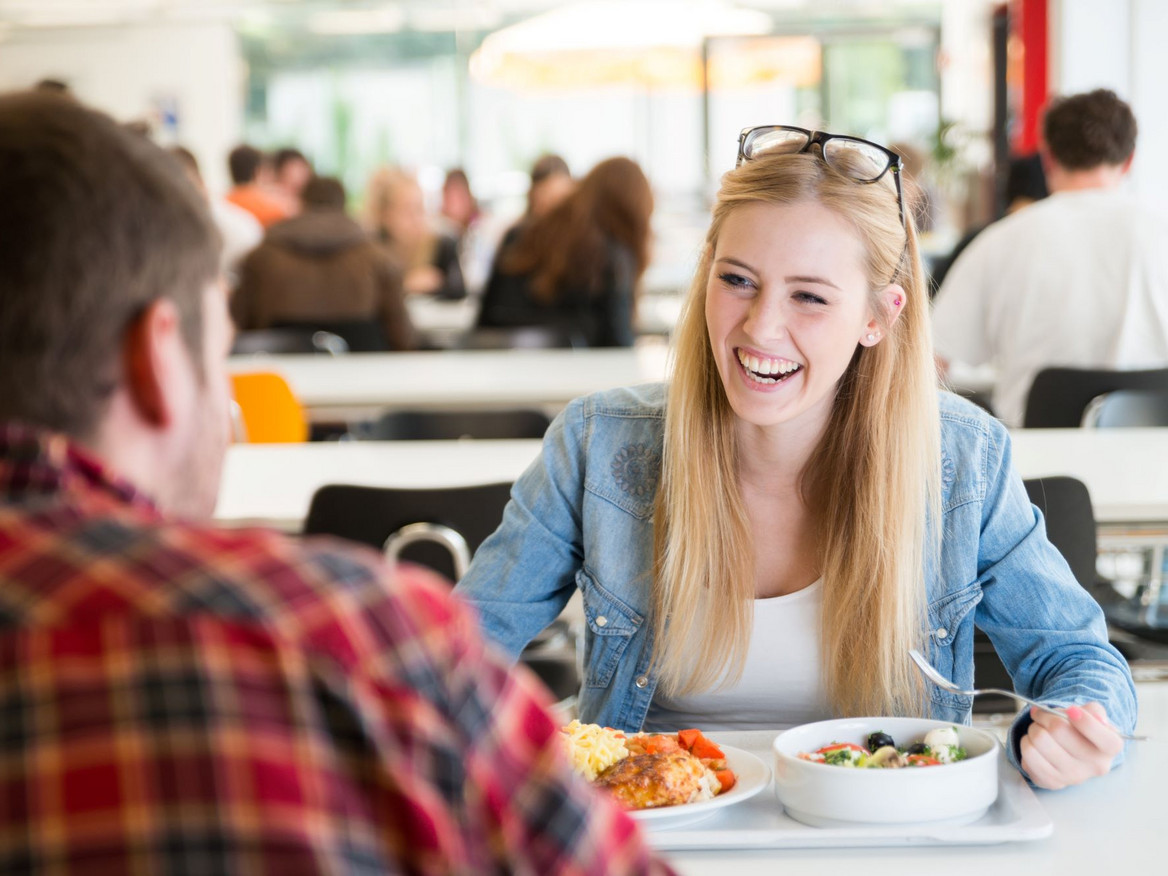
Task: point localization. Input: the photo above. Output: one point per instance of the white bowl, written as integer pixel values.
(830, 796)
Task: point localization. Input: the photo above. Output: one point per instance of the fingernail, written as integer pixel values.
(1074, 713)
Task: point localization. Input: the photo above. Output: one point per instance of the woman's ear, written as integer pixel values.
(892, 300)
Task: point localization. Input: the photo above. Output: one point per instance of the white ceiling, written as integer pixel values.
(471, 13)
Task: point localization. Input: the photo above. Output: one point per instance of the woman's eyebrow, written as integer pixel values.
(737, 262)
(817, 280)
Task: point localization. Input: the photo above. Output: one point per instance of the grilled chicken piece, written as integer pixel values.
(646, 781)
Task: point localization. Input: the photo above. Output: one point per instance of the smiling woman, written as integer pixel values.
(798, 536)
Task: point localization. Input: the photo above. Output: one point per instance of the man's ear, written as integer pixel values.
(149, 350)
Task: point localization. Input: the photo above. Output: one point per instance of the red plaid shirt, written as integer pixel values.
(184, 699)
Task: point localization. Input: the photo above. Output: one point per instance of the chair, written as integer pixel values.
(410, 425)
(1127, 407)
(357, 335)
(1059, 397)
(371, 515)
(1070, 526)
(529, 337)
(441, 529)
(277, 341)
(270, 412)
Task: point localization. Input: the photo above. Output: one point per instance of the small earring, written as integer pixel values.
(871, 337)
(896, 301)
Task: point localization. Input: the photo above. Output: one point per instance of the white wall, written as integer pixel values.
(133, 71)
(1119, 44)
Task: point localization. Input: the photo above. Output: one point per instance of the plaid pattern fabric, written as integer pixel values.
(184, 699)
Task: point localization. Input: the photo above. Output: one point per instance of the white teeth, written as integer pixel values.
(766, 366)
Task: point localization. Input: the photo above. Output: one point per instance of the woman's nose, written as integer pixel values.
(767, 318)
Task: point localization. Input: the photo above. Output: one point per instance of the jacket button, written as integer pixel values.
(942, 633)
(602, 621)
(642, 681)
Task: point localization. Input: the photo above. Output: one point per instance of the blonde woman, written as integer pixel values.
(396, 215)
(760, 542)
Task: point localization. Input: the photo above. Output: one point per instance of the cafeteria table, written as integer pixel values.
(1124, 469)
(272, 484)
(1110, 824)
(362, 386)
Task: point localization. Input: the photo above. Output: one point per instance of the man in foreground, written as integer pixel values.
(180, 698)
(1079, 279)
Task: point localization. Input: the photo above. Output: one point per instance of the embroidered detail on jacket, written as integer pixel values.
(948, 471)
(635, 468)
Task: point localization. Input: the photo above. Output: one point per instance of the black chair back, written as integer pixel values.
(278, 341)
(1070, 526)
(359, 335)
(410, 425)
(1059, 397)
(370, 515)
(527, 337)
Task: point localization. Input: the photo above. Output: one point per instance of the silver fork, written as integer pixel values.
(930, 672)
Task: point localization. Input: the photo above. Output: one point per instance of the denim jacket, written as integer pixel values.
(581, 517)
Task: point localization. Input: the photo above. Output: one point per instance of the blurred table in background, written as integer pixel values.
(1124, 469)
(272, 484)
(362, 386)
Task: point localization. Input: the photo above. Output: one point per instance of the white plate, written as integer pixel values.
(752, 774)
(761, 823)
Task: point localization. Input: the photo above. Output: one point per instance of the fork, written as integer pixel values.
(930, 672)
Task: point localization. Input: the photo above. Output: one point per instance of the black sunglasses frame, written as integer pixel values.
(820, 138)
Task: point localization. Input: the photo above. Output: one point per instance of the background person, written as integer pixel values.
(1025, 184)
(576, 268)
(250, 177)
(202, 699)
(551, 182)
(396, 214)
(291, 171)
(239, 230)
(320, 269)
(1079, 279)
(759, 543)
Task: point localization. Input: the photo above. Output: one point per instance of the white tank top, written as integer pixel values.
(781, 684)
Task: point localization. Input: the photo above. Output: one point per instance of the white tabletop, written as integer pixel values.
(272, 484)
(1109, 825)
(1126, 470)
(362, 385)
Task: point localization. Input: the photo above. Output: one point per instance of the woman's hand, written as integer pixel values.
(1058, 753)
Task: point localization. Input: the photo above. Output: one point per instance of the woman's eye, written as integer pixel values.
(810, 298)
(736, 281)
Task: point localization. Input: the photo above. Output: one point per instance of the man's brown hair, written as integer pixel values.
(95, 224)
(1085, 131)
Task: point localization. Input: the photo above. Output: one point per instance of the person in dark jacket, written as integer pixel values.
(576, 269)
(322, 269)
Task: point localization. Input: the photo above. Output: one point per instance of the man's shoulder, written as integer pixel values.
(314, 591)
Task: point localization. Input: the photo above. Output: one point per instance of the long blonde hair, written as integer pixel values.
(873, 483)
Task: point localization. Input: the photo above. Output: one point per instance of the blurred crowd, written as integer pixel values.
(297, 256)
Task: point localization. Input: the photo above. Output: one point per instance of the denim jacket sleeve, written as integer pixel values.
(1049, 632)
(524, 573)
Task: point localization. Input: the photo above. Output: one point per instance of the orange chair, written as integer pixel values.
(271, 413)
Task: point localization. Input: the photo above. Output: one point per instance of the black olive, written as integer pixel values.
(917, 748)
(878, 740)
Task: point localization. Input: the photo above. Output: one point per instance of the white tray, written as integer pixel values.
(761, 823)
